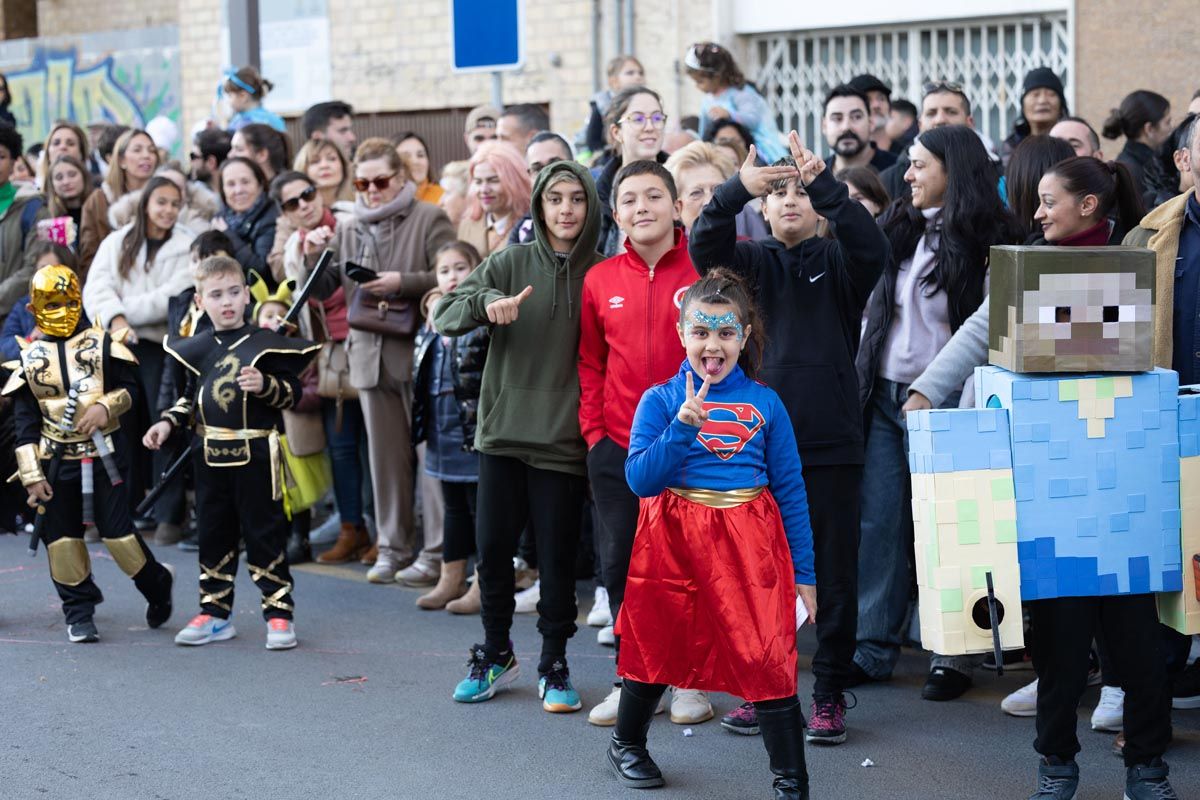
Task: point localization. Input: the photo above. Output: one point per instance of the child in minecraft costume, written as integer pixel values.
(1065, 485)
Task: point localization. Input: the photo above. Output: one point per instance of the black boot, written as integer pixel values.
(783, 734)
(627, 753)
(299, 551)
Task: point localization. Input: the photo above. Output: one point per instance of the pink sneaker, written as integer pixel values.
(743, 720)
(827, 721)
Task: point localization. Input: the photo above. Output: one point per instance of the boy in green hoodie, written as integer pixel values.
(531, 453)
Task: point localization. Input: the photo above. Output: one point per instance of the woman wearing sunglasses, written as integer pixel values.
(636, 127)
(395, 235)
(328, 170)
(498, 192)
(247, 216)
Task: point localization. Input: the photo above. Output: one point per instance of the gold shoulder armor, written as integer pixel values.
(16, 378)
(119, 349)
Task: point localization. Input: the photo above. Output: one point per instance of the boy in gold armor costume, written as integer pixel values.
(69, 390)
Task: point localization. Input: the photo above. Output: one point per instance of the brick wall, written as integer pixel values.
(1118, 50)
(199, 58)
(66, 17)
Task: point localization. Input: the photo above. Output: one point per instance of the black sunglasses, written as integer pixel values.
(292, 204)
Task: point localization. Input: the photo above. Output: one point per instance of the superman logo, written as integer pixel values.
(730, 426)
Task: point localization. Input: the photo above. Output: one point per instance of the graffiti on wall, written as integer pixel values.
(80, 79)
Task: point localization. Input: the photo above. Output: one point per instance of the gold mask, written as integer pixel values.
(56, 299)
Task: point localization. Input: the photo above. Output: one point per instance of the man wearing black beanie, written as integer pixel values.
(1043, 103)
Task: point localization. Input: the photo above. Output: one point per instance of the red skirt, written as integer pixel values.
(710, 602)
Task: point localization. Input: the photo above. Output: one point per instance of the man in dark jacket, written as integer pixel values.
(812, 291)
(846, 124)
(943, 103)
(1043, 103)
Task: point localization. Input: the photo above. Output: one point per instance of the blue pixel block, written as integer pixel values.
(1189, 422)
(1096, 476)
(955, 440)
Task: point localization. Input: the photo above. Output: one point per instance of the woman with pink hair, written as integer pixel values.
(498, 196)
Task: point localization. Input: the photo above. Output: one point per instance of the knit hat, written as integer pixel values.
(869, 83)
(1044, 78)
(481, 115)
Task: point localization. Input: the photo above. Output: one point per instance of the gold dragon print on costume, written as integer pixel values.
(87, 359)
(223, 386)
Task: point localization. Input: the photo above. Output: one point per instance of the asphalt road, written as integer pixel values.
(362, 709)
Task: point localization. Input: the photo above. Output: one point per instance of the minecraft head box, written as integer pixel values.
(1072, 309)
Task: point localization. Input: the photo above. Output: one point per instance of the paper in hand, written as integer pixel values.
(801, 613)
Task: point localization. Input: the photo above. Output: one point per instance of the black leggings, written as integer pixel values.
(458, 520)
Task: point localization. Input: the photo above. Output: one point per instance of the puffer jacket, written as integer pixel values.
(466, 368)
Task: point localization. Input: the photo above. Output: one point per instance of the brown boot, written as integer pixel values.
(369, 556)
(469, 603)
(451, 585)
(350, 544)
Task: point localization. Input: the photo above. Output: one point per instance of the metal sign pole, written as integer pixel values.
(243, 34)
(498, 89)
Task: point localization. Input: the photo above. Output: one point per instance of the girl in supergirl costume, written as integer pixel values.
(719, 558)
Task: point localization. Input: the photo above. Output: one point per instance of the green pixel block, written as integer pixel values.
(1002, 489)
(968, 532)
(1067, 391)
(979, 577)
(1104, 388)
(968, 510)
(1006, 531)
(951, 601)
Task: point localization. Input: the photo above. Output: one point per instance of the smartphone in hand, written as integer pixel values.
(360, 274)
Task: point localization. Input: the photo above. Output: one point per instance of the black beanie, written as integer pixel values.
(1044, 78)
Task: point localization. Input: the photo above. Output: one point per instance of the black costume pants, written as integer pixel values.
(62, 533)
(833, 506)
(1063, 629)
(458, 520)
(233, 503)
(511, 496)
(616, 518)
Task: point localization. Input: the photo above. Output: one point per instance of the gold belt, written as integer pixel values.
(232, 434)
(207, 432)
(715, 499)
(74, 446)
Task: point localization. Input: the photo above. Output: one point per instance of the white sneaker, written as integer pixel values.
(527, 599)
(1022, 702)
(382, 572)
(1110, 711)
(690, 707)
(600, 615)
(205, 628)
(605, 714)
(281, 634)
(606, 637)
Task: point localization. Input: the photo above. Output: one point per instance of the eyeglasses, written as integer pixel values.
(307, 196)
(933, 87)
(380, 183)
(656, 120)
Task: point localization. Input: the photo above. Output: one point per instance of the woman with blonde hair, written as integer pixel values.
(327, 167)
(65, 139)
(133, 162)
(455, 182)
(698, 169)
(497, 199)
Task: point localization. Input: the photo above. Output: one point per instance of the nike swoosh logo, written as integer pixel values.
(219, 628)
(816, 278)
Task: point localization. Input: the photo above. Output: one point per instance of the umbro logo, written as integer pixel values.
(616, 301)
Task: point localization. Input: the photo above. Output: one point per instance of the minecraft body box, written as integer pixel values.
(1060, 484)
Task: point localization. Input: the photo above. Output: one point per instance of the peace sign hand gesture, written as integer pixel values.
(758, 179)
(808, 162)
(504, 311)
(692, 411)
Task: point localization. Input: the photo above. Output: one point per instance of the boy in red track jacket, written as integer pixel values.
(627, 344)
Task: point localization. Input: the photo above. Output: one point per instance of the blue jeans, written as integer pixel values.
(885, 550)
(344, 457)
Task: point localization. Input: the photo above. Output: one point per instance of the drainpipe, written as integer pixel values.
(627, 26)
(597, 44)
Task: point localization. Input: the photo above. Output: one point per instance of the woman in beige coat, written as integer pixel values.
(397, 236)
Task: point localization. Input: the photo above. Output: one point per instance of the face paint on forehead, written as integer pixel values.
(713, 322)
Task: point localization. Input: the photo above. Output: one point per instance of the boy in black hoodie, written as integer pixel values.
(812, 291)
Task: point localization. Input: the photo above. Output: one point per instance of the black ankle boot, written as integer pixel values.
(627, 753)
(299, 551)
(783, 734)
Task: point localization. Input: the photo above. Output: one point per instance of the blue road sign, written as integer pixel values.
(487, 35)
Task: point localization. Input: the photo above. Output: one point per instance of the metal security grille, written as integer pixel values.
(795, 70)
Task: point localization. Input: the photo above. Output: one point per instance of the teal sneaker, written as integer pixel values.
(485, 677)
(557, 693)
